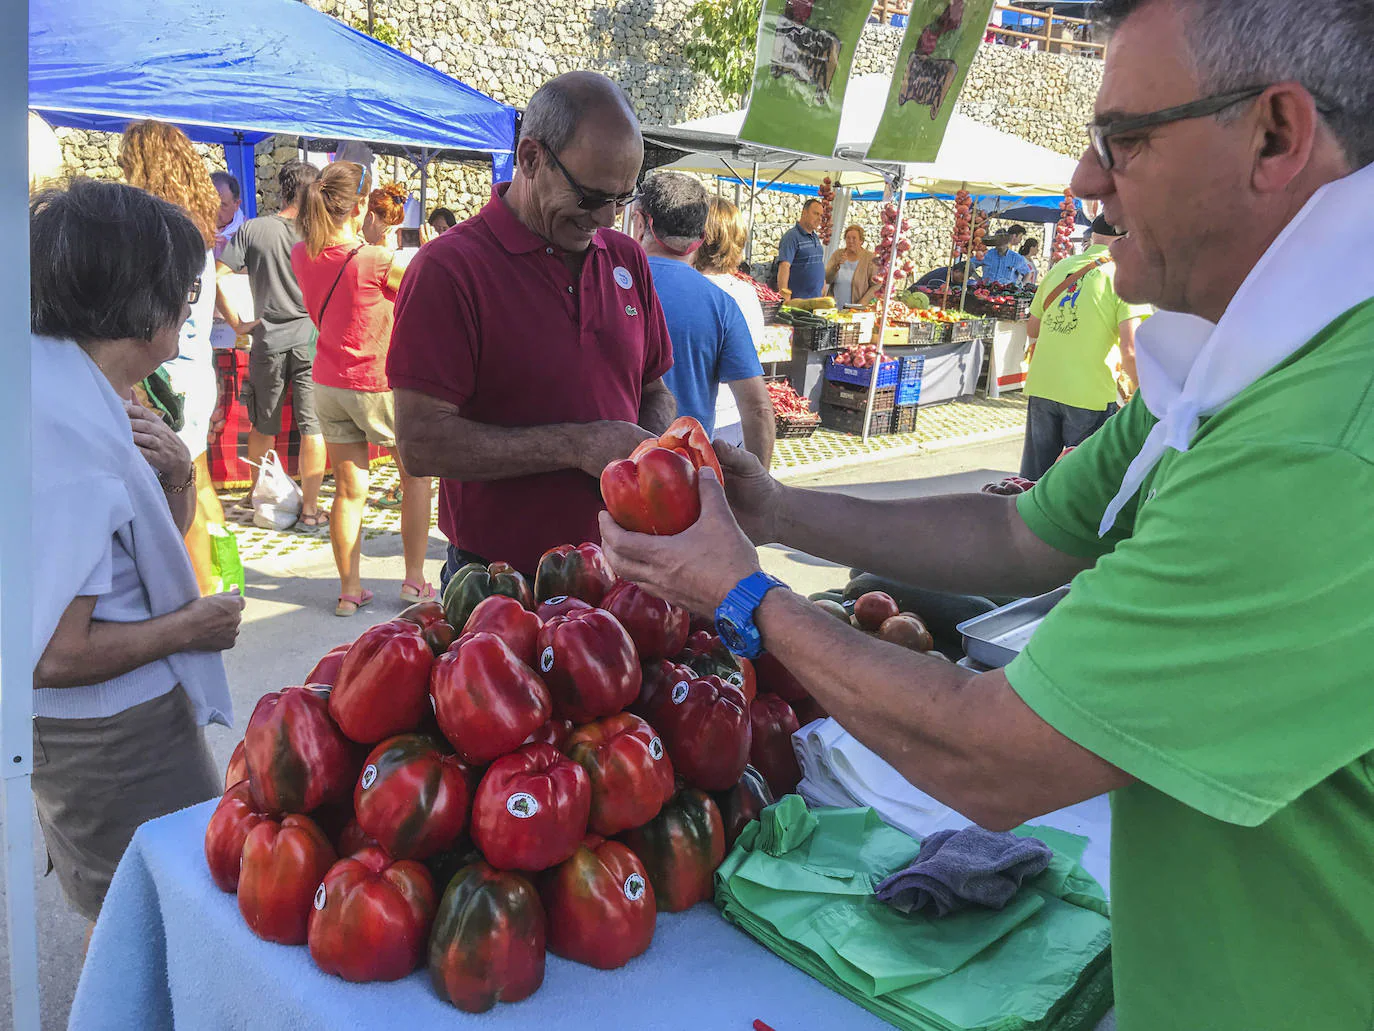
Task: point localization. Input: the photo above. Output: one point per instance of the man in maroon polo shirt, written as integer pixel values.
(529, 347)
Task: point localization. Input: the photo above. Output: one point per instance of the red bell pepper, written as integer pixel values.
(475, 582)
(630, 772)
(326, 671)
(487, 945)
(589, 663)
(771, 753)
(487, 700)
(411, 797)
(561, 605)
(371, 917)
(776, 678)
(352, 839)
(297, 757)
(576, 571)
(706, 653)
(657, 627)
(229, 825)
(531, 809)
(237, 769)
(654, 492)
(705, 725)
(429, 617)
(555, 732)
(743, 803)
(655, 676)
(600, 905)
(508, 620)
(383, 685)
(283, 864)
(688, 438)
(680, 849)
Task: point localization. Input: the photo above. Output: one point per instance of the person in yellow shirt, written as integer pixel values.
(1076, 323)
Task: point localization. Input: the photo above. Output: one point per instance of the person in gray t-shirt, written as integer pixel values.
(283, 348)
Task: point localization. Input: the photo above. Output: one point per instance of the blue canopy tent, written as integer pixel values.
(236, 73)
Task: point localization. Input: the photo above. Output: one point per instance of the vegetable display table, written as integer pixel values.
(172, 950)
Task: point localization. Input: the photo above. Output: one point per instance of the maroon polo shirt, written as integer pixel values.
(489, 319)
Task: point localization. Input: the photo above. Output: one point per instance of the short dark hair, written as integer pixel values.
(809, 202)
(225, 179)
(109, 261)
(292, 176)
(1017, 231)
(445, 214)
(677, 205)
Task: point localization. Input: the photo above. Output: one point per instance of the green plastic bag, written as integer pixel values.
(226, 568)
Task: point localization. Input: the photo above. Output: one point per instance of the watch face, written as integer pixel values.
(729, 633)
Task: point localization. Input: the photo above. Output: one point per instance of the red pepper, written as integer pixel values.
(630, 772)
(283, 864)
(237, 769)
(589, 663)
(487, 700)
(508, 620)
(776, 678)
(555, 732)
(561, 605)
(657, 627)
(706, 653)
(680, 849)
(771, 752)
(705, 724)
(383, 684)
(229, 825)
(352, 839)
(474, 582)
(653, 492)
(688, 438)
(577, 571)
(411, 797)
(429, 617)
(326, 671)
(487, 945)
(600, 905)
(531, 809)
(656, 676)
(297, 757)
(743, 803)
(371, 917)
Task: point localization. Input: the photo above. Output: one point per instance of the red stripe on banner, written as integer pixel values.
(1012, 380)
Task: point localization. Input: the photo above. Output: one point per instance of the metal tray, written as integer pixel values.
(996, 637)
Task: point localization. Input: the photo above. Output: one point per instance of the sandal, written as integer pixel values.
(314, 520)
(390, 498)
(349, 604)
(412, 592)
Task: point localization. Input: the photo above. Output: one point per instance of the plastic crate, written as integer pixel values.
(795, 427)
(924, 332)
(837, 373)
(909, 379)
(904, 417)
(810, 336)
(849, 420)
(770, 310)
(846, 334)
(857, 397)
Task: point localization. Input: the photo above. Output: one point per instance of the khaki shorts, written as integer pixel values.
(96, 780)
(355, 416)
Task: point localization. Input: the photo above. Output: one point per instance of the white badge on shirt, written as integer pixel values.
(623, 278)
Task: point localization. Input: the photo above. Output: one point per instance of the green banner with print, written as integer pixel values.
(805, 51)
(941, 38)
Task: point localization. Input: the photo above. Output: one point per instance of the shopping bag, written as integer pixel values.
(226, 568)
(276, 497)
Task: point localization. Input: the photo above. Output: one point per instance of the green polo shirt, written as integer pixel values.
(1078, 332)
(1219, 651)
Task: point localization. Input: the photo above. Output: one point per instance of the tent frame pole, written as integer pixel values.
(753, 192)
(900, 190)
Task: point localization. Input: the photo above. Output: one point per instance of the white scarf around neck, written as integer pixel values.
(1190, 368)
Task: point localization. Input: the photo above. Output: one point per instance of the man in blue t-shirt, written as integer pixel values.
(1002, 264)
(711, 341)
(801, 256)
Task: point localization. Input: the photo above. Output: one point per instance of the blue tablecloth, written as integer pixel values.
(170, 949)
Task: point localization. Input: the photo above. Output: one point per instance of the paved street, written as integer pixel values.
(289, 623)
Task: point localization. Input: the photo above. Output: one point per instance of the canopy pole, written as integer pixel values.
(753, 190)
(424, 180)
(887, 300)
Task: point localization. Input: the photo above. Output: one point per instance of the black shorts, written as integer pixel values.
(268, 375)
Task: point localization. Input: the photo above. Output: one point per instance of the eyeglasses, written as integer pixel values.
(1100, 133)
(590, 200)
(193, 294)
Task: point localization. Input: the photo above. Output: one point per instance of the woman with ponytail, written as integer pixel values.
(349, 287)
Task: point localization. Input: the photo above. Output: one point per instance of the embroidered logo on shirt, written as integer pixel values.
(623, 278)
(630, 309)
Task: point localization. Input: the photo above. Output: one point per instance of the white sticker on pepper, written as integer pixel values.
(679, 692)
(522, 805)
(546, 660)
(634, 887)
(656, 748)
(319, 897)
(369, 776)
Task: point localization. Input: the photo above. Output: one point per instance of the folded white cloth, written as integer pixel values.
(1190, 368)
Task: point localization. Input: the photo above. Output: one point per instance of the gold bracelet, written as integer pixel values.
(190, 479)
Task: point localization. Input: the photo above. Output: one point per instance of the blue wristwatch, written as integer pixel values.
(735, 615)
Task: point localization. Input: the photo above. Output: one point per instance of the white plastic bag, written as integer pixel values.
(276, 497)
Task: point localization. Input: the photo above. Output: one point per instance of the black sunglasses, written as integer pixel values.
(193, 294)
(590, 200)
(1100, 133)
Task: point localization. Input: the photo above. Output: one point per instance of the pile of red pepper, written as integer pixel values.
(766, 294)
(786, 401)
(514, 770)
(864, 356)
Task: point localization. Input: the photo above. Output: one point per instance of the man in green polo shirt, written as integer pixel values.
(1208, 667)
(1077, 321)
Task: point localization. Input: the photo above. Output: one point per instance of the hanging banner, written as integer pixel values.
(805, 51)
(941, 38)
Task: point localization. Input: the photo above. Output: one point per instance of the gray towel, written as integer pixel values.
(958, 869)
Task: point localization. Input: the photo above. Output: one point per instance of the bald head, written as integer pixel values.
(579, 103)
